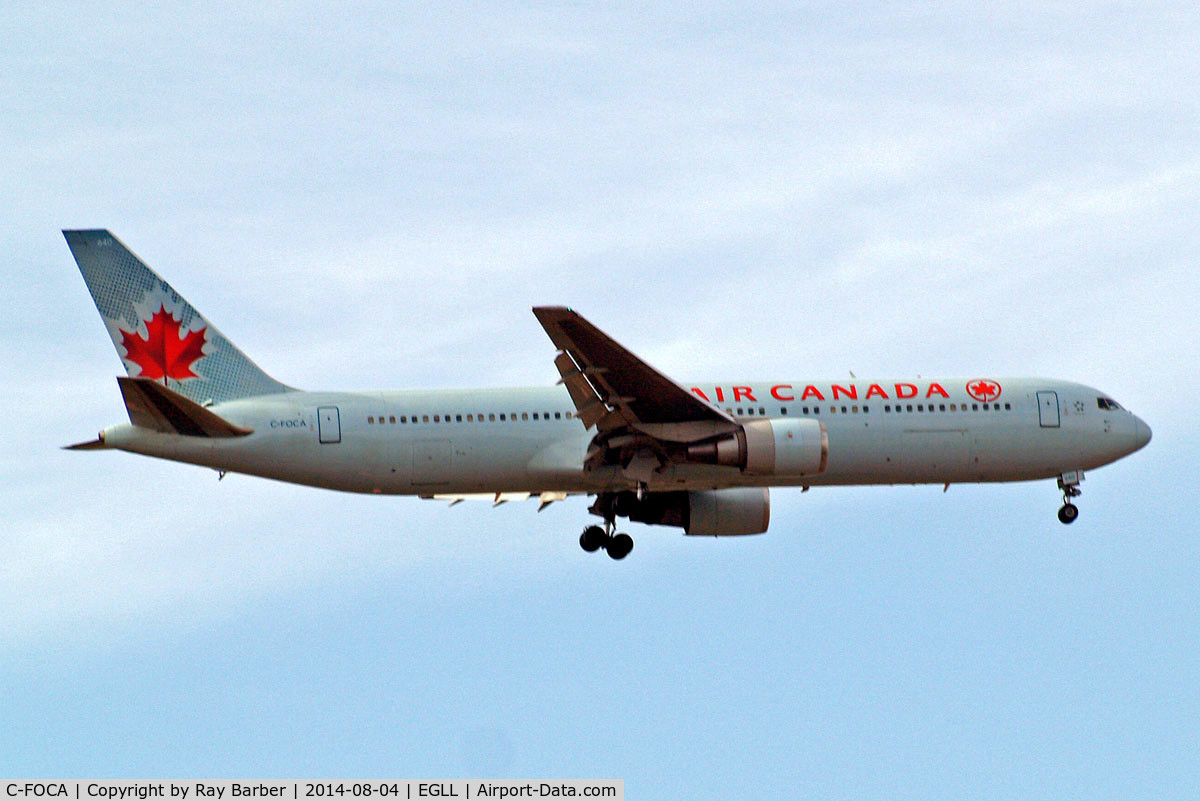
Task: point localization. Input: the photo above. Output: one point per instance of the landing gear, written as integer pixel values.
(594, 538)
(1069, 484)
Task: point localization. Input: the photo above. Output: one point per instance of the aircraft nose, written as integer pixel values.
(1141, 433)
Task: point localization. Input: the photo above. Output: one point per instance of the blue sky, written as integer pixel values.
(375, 197)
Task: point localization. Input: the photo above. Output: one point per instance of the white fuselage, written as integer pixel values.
(424, 442)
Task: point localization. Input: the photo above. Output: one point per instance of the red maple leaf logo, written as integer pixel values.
(165, 352)
(983, 390)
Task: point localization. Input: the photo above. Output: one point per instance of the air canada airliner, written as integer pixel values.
(699, 456)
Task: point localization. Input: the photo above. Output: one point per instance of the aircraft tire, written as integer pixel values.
(1068, 513)
(620, 546)
(592, 539)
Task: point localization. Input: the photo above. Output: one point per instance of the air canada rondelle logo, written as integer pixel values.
(165, 351)
(983, 390)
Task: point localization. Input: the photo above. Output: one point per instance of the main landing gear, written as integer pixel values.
(594, 538)
(1069, 484)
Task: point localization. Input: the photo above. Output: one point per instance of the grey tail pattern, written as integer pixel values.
(159, 335)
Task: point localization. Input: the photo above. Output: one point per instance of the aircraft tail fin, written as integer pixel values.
(157, 334)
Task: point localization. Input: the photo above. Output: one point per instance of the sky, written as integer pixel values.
(374, 195)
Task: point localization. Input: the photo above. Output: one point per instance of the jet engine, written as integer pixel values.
(793, 447)
(707, 513)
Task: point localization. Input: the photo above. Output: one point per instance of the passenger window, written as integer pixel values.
(783, 410)
(524, 415)
(492, 418)
(535, 415)
(502, 418)
(558, 415)
(975, 407)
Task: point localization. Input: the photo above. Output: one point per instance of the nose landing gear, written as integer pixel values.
(1069, 484)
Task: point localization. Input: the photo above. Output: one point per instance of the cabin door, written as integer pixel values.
(329, 425)
(1048, 409)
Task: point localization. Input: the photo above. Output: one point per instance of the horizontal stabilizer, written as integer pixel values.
(151, 405)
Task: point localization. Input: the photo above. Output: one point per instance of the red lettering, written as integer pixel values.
(698, 392)
(852, 392)
(740, 392)
(720, 395)
(936, 389)
(775, 393)
(876, 390)
(910, 393)
(811, 391)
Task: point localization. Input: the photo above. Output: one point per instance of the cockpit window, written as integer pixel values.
(1107, 403)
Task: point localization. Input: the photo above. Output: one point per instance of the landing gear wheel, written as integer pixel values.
(592, 539)
(1068, 513)
(620, 546)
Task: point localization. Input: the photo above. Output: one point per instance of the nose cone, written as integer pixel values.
(1141, 433)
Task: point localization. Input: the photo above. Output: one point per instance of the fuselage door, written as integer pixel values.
(1048, 409)
(329, 425)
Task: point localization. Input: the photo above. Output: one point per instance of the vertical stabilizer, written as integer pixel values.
(157, 334)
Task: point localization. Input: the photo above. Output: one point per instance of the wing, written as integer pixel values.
(644, 421)
(612, 387)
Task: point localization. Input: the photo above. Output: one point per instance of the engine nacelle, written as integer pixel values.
(707, 513)
(779, 447)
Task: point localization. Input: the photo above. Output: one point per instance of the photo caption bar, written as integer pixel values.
(300, 791)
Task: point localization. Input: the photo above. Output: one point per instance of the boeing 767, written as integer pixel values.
(696, 456)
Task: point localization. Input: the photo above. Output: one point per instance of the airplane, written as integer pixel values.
(696, 456)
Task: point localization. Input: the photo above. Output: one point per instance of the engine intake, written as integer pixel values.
(794, 447)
